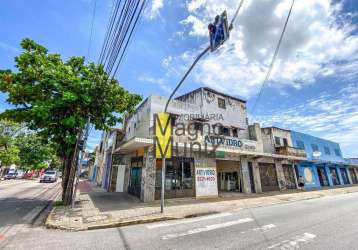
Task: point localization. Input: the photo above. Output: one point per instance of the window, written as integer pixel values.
(285, 142)
(277, 141)
(224, 131)
(327, 151)
(300, 144)
(337, 152)
(221, 103)
(314, 147)
(235, 133)
(173, 119)
(198, 126)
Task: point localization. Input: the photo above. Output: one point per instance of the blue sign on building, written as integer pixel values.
(325, 165)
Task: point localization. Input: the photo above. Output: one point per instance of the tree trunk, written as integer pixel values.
(65, 174)
(71, 171)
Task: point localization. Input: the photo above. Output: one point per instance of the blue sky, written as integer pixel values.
(313, 87)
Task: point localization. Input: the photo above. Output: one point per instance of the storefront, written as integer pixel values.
(353, 175)
(135, 178)
(290, 176)
(309, 173)
(322, 176)
(334, 175)
(229, 176)
(268, 177)
(179, 178)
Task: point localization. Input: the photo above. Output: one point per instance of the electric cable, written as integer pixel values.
(273, 59)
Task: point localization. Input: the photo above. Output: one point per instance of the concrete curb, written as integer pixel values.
(48, 206)
(50, 224)
(131, 222)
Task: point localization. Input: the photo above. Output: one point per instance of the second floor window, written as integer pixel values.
(337, 152)
(300, 144)
(224, 131)
(327, 151)
(221, 103)
(277, 141)
(314, 147)
(234, 132)
(285, 142)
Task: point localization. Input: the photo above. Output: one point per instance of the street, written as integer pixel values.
(324, 223)
(21, 201)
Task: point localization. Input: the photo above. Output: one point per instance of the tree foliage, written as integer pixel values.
(9, 153)
(34, 151)
(57, 98)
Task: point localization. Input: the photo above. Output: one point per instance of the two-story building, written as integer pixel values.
(278, 141)
(214, 150)
(325, 165)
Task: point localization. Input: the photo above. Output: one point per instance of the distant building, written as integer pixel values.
(325, 165)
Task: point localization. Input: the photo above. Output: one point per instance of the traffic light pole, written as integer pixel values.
(206, 50)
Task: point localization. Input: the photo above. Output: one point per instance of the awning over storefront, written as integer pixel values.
(133, 144)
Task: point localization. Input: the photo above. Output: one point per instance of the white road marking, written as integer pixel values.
(207, 228)
(295, 242)
(263, 228)
(32, 214)
(184, 221)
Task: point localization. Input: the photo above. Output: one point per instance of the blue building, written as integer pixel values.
(325, 165)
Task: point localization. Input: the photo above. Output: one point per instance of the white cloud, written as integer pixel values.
(161, 82)
(334, 117)
(318, 42)
(153, 10)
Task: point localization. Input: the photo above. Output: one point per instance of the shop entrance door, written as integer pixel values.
(135, 181)
(228, 181)
(289, 174)
(252, 181)
(268, 177)
(322, 176)
(334, 176)
(344, 176)
(353, 176)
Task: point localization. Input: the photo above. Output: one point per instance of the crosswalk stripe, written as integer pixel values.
(263, 228)
(207, 228)
(184, 221)
(294, 243)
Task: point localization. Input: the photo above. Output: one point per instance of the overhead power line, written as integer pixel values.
(91, 29)
(120, 29)
(268, 74)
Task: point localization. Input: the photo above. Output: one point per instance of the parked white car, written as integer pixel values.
(49, 176)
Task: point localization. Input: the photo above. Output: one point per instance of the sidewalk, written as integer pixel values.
(97, 209)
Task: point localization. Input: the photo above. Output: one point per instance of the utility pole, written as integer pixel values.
(219, 32)
(81, 149)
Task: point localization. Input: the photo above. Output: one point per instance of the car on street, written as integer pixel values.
(20, 174)
(49, 176)
(10, 176)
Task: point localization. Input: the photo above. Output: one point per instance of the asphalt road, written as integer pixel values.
(21, 201)
(324, 223)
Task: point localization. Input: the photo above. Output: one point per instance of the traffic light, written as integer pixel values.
(218, 31)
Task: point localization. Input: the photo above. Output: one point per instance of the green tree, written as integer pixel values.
(57, 98)
(9, 153)
(34, 151)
